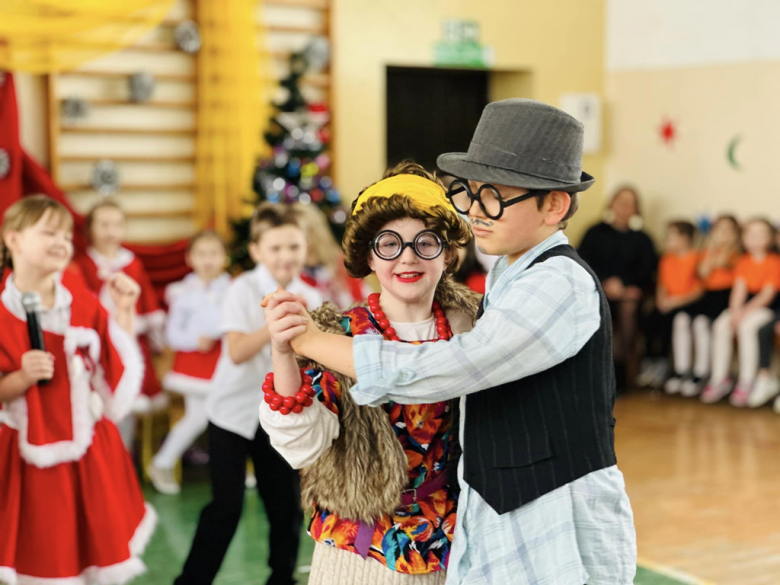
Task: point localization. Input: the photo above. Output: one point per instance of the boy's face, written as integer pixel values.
(676, 242)
(207, 258)
(282, 250)
(108, 229)
(757, 238)
(521, 226)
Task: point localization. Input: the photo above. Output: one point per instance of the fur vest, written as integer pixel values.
(362, 475)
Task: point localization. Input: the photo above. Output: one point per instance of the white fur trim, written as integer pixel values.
(151, 324)
(184, 384)
(144, 404)
(83, 422)
(117, 574)
(119, 402)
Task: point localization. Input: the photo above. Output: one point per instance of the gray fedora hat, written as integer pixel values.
(523, 143)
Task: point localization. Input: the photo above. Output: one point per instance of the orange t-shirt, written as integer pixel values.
(677, 273)
(757, 275)
(722, 277)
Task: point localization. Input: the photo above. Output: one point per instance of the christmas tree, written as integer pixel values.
(297, 171)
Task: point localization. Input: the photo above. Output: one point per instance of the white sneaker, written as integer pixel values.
(691, 387)
(163, 480)
(660, 372)
(766, 388)
(673, 385)
(646, 374)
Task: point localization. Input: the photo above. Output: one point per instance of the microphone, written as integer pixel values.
(31, 301)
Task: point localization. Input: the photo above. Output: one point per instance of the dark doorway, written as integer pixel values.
(432, 111)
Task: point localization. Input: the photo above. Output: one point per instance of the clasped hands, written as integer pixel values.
(289, 322)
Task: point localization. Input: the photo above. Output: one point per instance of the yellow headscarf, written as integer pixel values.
(424, 193)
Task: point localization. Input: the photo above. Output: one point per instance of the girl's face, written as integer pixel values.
(757, 237)
(724, 233)
(207, 258)
(45, 247)
(108, 229)
(408, 278)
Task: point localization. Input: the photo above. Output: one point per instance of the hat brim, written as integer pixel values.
(455, 163)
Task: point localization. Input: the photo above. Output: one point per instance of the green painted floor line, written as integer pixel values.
(246, 561)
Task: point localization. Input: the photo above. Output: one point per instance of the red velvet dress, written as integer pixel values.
(150, 318)
(71, 507)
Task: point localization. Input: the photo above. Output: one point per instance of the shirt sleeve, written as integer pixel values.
(302, 438)
(545, 317)
(234, 316)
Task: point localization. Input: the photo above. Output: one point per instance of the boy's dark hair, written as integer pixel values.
(205, 235)
(575, 205)
(272, 215)
(684, 228)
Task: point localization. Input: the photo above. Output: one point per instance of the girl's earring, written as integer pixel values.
(636, 223)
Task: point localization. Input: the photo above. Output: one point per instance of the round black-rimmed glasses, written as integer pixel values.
(389, 245)
(488, 196)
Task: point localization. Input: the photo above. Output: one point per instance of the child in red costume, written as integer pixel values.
(106, 257)
(71, 508)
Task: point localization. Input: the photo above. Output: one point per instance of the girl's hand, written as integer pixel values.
(286, 319)
(37, 365)
(124, 291)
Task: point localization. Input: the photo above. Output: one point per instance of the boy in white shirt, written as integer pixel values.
(278, 247)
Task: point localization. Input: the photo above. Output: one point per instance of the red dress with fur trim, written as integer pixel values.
(71, 508)
(193, 312)
(150, 318)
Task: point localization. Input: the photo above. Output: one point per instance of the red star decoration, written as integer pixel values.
(668, 132)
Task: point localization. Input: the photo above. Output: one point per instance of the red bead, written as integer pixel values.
(441, 328)
(384, 323)
(308, 390)
(379, 315)
(284, 410)
(300, 398)
(309, 401)
(438, 313)
(273, 406)
(390, 332)
(289, 401)
(268, 398)
(276, 401)
(305, 379)
(298, 408)
(267, 386)
(269, 377)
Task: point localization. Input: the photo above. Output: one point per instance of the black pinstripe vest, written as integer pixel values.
(526, 438)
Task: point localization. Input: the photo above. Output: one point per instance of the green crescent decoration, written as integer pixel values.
(731, 152)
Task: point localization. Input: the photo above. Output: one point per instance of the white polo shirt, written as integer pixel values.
(236, 394)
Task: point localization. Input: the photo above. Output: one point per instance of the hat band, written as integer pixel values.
(423, 192)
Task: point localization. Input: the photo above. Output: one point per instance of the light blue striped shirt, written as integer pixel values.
(534, 318)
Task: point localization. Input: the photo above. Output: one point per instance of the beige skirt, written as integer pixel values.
(333, 566)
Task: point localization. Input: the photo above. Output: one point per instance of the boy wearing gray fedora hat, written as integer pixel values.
(542, 500)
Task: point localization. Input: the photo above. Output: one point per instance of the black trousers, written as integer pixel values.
(279, 489)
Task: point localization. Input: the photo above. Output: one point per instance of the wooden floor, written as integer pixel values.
(704, 483)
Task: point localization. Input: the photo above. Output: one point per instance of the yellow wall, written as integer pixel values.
(560, 43)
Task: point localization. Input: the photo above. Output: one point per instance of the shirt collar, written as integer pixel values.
(122, 259)
(12, 298)
(268, 284)
(502, 272)
(195, 281)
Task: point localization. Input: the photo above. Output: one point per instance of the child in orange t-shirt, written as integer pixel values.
(757, 280)
(678, 289)
(716, 270)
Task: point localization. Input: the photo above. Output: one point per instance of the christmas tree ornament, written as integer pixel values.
(105, 177)
(5, 163)
(75, 109)
(187, 36)
(141, 87)
(317, 54)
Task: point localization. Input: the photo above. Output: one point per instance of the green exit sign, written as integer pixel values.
(461, 47)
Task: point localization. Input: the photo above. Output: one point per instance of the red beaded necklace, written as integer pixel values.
(442, 324)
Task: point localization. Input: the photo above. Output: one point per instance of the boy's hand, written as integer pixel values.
(37, 365)
(205, 344)
(124, 291)
(614, 289)
(286, 320)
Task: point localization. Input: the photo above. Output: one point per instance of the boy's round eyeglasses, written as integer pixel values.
(488, 196)
(389, 245)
